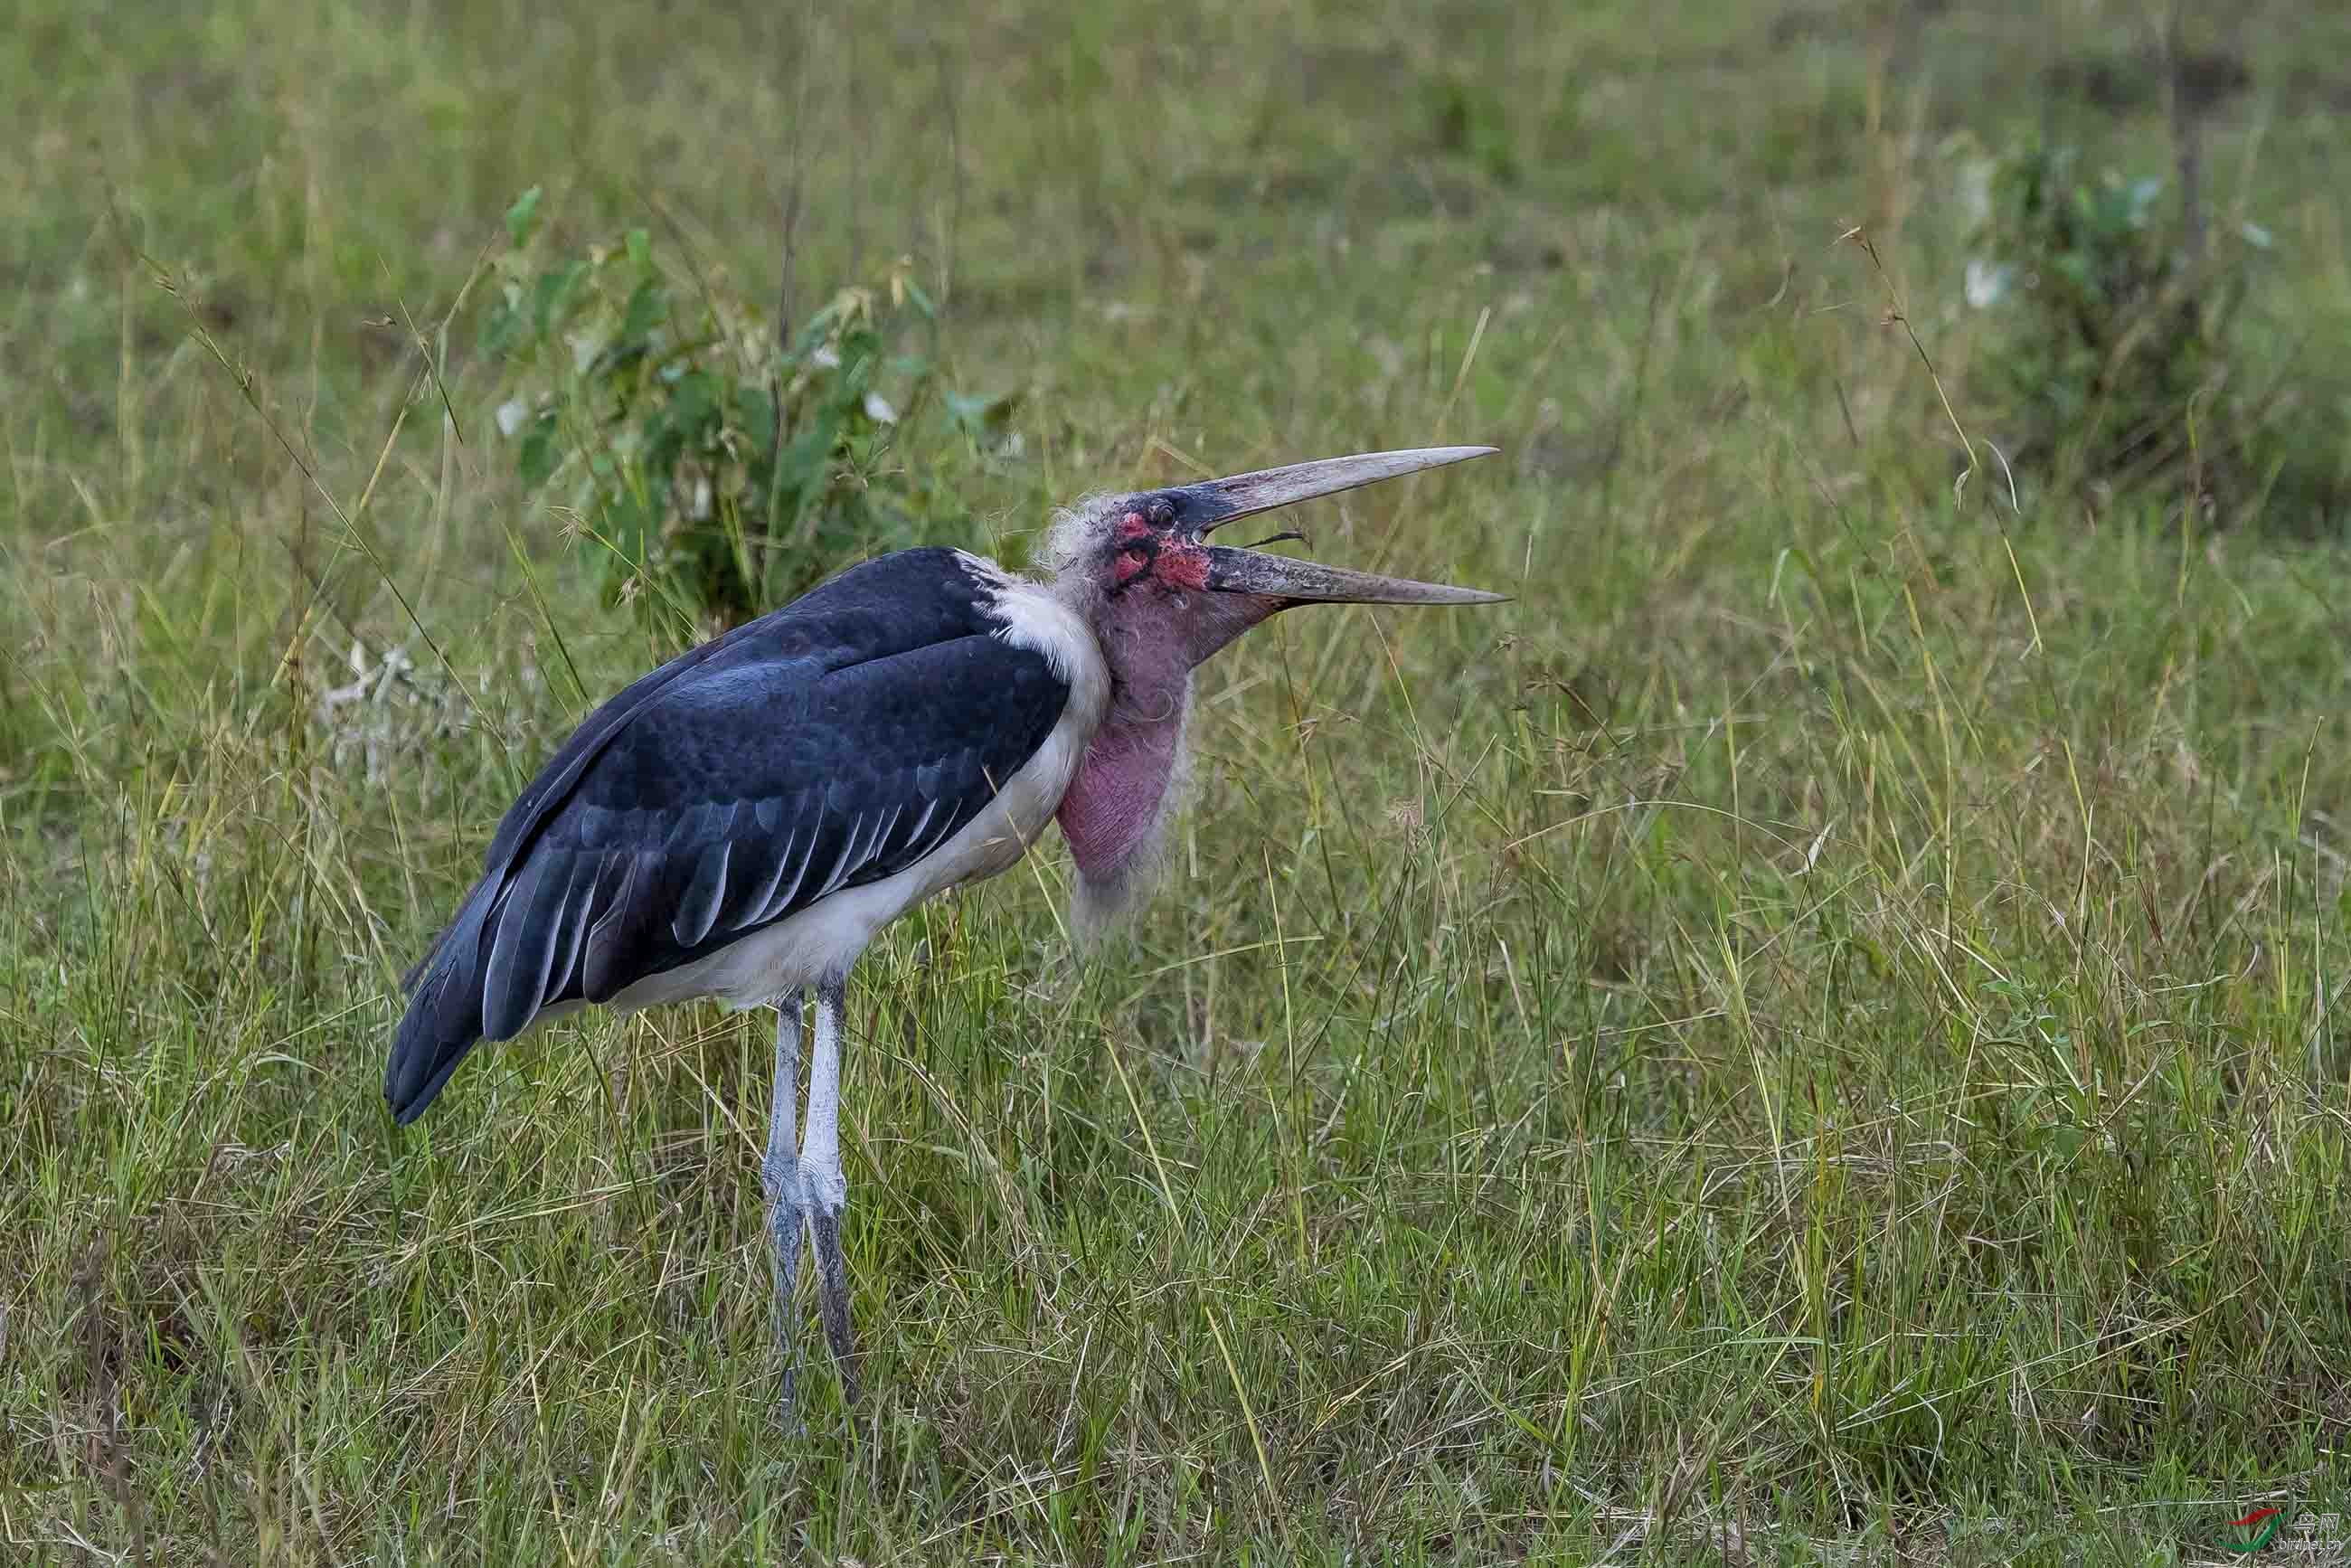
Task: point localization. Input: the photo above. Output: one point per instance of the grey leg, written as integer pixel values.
(825, 1191)
(781, 1176)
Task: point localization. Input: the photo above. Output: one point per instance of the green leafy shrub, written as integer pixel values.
(709, 471)
(2120, 358)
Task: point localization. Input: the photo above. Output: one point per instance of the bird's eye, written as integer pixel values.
(1163, 513)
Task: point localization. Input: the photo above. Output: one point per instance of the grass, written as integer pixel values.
(1810, 1036)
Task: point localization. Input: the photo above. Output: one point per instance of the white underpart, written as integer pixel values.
(824, 940)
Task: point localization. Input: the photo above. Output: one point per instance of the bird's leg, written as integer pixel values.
(780, 1175)
(825, 1190)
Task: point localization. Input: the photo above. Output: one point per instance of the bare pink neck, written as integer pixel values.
(1112, 805)
(1152, 641)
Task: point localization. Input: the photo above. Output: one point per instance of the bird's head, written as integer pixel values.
(1162, 598)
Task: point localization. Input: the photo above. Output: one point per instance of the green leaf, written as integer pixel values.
(801, 467)
(647, 305)
(547, 298)
(523, 216)
(755, 417)
(640, 249)
(501, 327)
(540, 451)
(694, 401)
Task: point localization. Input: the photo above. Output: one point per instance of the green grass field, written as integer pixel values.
(1810, 1036)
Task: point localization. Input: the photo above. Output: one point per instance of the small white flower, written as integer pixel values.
(878, 409)
(511, 414)
(1987, 282)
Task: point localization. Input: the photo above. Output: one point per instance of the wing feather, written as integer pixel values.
(698, 911)
(801, 856)
(515, 982)
(759, 864)
(579, 909)
(603, 967)
(851, 853)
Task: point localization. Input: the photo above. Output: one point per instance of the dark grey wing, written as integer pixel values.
(731, 796)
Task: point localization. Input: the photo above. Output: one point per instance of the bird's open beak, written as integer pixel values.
(1208, 507)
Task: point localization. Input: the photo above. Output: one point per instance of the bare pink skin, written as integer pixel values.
(1157, 626)
(1114, 798)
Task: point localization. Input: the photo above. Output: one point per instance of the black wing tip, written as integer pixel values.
(409, 1102)
(422, 1063)
(440, 1029)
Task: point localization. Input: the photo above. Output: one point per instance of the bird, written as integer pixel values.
(741, 822)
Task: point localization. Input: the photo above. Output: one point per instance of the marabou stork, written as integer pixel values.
(740, 822)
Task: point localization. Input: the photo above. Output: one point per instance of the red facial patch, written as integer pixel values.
(1184, 565)
(1169, 559)
(1137, 547)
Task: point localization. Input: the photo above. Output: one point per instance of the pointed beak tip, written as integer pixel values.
(1436, 595)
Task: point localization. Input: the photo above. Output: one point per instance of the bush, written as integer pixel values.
(709, 471)
(2119, 359)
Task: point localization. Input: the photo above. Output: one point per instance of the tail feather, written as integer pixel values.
(443, 1020)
